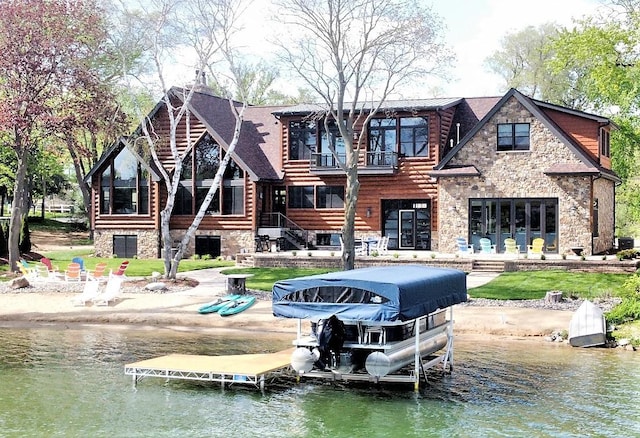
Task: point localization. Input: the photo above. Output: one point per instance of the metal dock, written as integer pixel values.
(241, 368)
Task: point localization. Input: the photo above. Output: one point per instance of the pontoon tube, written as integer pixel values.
(379, 364)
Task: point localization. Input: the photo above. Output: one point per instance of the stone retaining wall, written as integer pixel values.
(335, 262)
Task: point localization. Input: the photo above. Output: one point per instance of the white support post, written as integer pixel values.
(417, 357)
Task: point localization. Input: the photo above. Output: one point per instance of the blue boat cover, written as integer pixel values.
(381, 293)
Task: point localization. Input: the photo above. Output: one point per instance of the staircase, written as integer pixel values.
(245, 262)
(488, 266)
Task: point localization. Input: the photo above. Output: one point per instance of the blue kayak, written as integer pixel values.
(237, 306)
(218, 304)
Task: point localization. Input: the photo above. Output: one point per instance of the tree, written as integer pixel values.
(522, 62)
(47, 48)
(354, 54)
(207, 30)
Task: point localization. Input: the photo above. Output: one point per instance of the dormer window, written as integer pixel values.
(513, 137)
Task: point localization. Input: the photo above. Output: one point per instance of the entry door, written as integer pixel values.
(407, 229)
(279, 197)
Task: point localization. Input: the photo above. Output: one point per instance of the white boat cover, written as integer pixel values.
(381, 293)
(588, 326)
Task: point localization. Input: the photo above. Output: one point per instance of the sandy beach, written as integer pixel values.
(174, 309)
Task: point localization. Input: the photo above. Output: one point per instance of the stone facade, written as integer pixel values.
(147, 242)
(520, 174)
(231, 241)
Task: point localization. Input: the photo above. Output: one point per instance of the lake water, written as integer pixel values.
(70, 383)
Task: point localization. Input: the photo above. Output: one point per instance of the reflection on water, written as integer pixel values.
(71, 383)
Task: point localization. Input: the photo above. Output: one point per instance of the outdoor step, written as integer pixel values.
(488, 265)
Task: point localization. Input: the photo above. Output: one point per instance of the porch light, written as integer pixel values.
(368, 211)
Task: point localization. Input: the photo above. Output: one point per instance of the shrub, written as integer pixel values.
(629, 308)
(415, 256)
(433, 255)
(627, 254)
(374, 253)
(396, 255)
(564, 257)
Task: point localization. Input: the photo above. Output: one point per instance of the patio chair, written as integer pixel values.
(486, 247)
(360, 247)
(510, 247)
(91, 291)
(536, 247)
(463, 246)
(50, 267)
(27, 270)
(120, 271)
(72, 273)
(383, 243)
(80, 261)
(112, 291)
(98, 273)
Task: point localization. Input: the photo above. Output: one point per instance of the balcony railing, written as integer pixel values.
(374, 163)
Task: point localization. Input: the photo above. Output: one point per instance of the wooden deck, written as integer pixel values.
(242, 368)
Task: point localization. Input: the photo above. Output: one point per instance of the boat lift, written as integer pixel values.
(392, 318)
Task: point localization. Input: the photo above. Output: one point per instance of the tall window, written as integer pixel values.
(328, 140)
(302, 139)
(124, 186)
(408, 136)
(414, 137)
(330, 197)
(605, 146)
(513, 136)
(198, 172)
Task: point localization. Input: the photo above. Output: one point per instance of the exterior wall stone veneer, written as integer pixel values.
(232, 242)
(147, 242)
(520, 174)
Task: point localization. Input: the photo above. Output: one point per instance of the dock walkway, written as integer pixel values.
(242, 368)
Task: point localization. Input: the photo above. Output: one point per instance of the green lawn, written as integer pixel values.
(136, 268)
(535, 284)
(264, 278)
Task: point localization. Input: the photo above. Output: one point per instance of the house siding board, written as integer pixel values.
(409, 182)
(584, 131)
(516, 175)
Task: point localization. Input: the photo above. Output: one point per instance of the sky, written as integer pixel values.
(474, 30)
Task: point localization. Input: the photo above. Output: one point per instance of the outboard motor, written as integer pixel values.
(330, 343)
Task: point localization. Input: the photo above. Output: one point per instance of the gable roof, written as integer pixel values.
(590, 165)
(259, 135)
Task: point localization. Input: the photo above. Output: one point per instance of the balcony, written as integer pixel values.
(375, 163)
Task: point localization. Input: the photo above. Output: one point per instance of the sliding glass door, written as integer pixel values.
(522, 219)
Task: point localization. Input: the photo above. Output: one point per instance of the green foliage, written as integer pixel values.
(627, 254)
(25, 237)
(535, 284)
(264, 278)
(4, 238)
(629, 308)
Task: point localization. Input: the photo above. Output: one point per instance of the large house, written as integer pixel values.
(432, 170)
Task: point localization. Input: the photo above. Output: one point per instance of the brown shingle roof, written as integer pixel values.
(259, 129)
